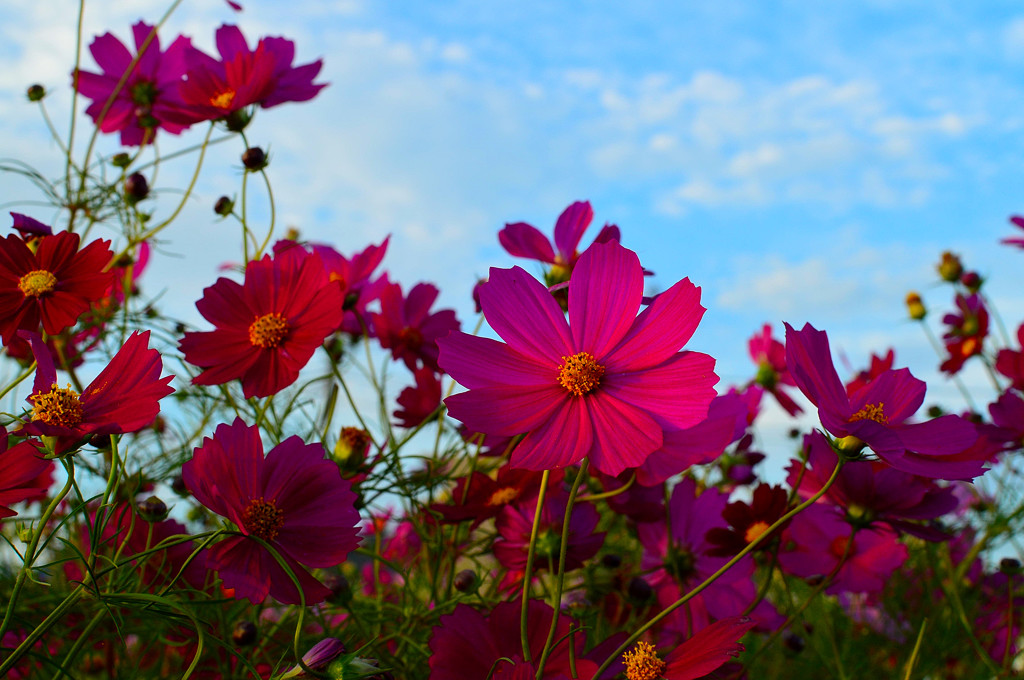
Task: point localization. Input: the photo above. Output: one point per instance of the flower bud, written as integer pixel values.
(121, 160)
(915, 307)
(255, 159)
(950, 268)
(350, 451)
(971, 281)
(36, 92)
(152, 509)
(611, 561)
(224, 206)
(794, 643)
(236, 121)
(465, 581)
(341, 590)
(640, 590)
(136, 188)
(1010, 566)
(244, 633)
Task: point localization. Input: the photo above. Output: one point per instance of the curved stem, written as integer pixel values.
(528, 571)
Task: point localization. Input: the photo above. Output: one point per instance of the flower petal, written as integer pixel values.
(522, 311)
(605, 290)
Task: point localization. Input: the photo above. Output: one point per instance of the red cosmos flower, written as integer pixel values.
(417, 403)
(607, 384)
(55, 284)
(213, 89)
(967, 332)
(770, 356)
(26, 474)
(478, 497)
(268, 327)
(148, 99)
(748, 521)
(524, 240)
(879, 365)
(293, 499)
(123, 398)
(876, 414)
(708, 649)
(1010, 362)
(406, 326)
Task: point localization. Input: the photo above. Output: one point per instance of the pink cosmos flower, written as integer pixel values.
(293, 499)
(406, 326)
(268, 327)
(514, 526)
(524, 240)
(770, 356)
(124, 397)
(149, 97)
(876, 414)
(607, 384)
(242, 77)
(1017, 221)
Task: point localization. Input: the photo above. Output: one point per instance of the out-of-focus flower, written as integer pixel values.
(1017, 221)
(268, 327)
(749, 521)
(53, 285)
(293, 499)
(770, 357)
(966, 333)
(148, 98)
(879, 365)
(707, 650)
(26, 474)
(876, 414)
(606, 385)
(406, 326)
(417, 403)
(515, 522)
(1010, 362)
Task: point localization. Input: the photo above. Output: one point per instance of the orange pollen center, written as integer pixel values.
(222, 100)
(503, 496)
(873, 412)
(580, 373)
(262, 519)
(755, 530)
(37, 283)
(268, 330)
(411, 336)
(839, 546)
(59, 407)
(642, 663)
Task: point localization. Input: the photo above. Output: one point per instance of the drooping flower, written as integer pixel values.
(406, 326)
(524, 240)
(123, 398)
(876, 414)
(707, 650)
(26, 474)
(293, 499)
(242, 77)
(966, 334)
(148, 98)
(53, 285)
(770, 356)
(268, 327)
(606, 385)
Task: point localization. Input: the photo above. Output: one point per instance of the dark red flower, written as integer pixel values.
(53, 285)
(966, 333)
(293, 499)
(515, 523)
(748, 521)
(26, 474)
(406, 326)
(478, 497)
(1010, 362)
(419, 402)
(123, 398)
(268, 327)
(879, 365)
(708, 649)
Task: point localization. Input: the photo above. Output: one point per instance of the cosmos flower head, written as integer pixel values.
(606, 385)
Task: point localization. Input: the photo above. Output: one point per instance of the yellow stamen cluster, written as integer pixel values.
(222, 100)
(262, 519)
(580, 373)
(642, 663)
(503, 496)
(268, 331)
(59, 407)
(37, 283)
(755, 530)
(873, 412)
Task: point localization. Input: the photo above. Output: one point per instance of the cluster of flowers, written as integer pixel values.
(591, 506)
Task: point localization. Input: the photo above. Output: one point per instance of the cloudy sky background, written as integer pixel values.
(798, 162)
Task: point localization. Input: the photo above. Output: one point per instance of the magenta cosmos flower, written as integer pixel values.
(607, 384)
(703, 653)
(53, 285)
(293, 499)
(148, 98)
(268, 327)
(123, 398)
(876, 414)
(407, 327)
(770, 356)
(242, 77)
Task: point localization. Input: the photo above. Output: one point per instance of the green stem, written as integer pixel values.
(528, 571)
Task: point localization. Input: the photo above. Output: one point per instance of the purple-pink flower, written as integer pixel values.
(606, 385)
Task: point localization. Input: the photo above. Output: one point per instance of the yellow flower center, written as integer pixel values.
(873, 412)
(268, 331)
(262, 519)
(222, 100)
(580, 374)
(503, 496)
(755, 530)
(59, 407)
(642, 663)
(37, 283)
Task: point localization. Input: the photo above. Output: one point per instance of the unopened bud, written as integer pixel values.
(350, 451)
(136, 187)
(1009, 566)
(794, 643)
(971, 281)
(915, 307)
(121, 160)
(244, 633)
(236, 121)
(640, 590)
(224, 206)
(465, 581)
(36, 92)
(950, 268)
(152, 509)
(255, 159)
(611, 561)
(341, 590)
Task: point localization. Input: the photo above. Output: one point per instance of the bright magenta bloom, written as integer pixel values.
(148, 99)
(607, 384)
(54, 285)
(268, 327)
(876, 414)
(294, 499)
(124, 397)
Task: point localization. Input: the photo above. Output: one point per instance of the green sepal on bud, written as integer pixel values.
(35, 93)
(224, 206)
(152, 509)
(121, 160)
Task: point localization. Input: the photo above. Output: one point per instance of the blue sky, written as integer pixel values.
(799, 161)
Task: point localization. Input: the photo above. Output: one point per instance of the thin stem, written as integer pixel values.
(528, 571)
